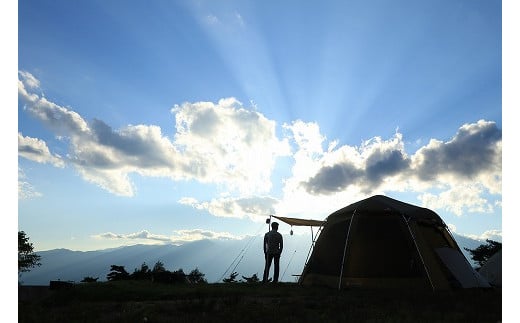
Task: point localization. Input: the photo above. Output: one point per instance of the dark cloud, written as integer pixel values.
(27, 149)
(135, 145)
(381, 164)
(474, 149)
(331, 179)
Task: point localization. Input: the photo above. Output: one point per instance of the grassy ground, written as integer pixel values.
(140, 301)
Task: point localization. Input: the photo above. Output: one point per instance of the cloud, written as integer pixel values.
(141, 235)
(178, 236)
(463, 169)
(58, 119)
(212, 20)
(29, 80)
(36, 150)
(458, 200)
(184, 236)
(239, 147)
(222, 143)
(474, 153)
(475, 149)
(365, 167)
(235, 147)
(25, 189)
(495, 235)
(256, 208)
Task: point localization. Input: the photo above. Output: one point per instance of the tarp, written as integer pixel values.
(300, 222)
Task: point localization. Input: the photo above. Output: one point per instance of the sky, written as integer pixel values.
(173, 121)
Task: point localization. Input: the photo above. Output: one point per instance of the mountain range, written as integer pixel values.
(216, 259)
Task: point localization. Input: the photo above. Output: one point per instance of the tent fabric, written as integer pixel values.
(492, 269)
(382, 242)
(300, 222)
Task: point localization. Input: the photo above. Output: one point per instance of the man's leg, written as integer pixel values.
(268, 260)
(276, 268)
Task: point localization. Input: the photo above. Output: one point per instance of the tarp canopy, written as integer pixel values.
(300, 222)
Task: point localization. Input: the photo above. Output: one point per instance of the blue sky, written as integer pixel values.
(172, 121)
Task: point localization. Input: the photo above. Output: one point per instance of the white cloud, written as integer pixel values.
(464, 169)
(212, 20)
(25, 189)
(458, 200)
(29, 80)
(235, 147)
(36, 150)
(178, 237)
(143, 235)
(238, 147)
(256, 208)
(221, 143)
(184, 236)
(495, 235)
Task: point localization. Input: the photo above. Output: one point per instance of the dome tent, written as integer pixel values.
(492, 269)
(381, 242)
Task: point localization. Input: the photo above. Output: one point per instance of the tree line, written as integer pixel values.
(158, 273)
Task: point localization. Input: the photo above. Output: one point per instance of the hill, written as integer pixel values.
(217, 259)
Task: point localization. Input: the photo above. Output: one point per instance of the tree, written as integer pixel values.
(482, 253)
(118, 273)
(88, 279)
(231, 279)
(27, 259)
(158, 267)
(142, 274)
(196, 277)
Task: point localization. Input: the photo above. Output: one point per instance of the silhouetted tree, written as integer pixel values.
(231, 279)
(482, 253)
(196, 277)
(117, 273)
(158, 267)
(253, 279)
(27, 259)
(179, 277)
(143, 273)
(89, 279)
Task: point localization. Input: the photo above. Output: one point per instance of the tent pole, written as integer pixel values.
(312, 246)
(419, 252)
(310, 250)
(345, 249)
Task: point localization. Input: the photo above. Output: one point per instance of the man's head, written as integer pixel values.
(274, 225)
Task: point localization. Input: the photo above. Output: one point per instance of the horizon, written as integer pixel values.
(178, 121)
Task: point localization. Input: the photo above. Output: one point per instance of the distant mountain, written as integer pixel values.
(217, 259)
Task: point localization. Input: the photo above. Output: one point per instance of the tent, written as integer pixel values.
(492, 269)
(381, 242)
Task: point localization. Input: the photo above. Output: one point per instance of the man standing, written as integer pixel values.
(273, 246)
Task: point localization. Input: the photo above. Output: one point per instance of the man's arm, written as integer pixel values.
(281, 243)
(265, 243)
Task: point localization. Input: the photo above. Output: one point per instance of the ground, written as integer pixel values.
(140, 301)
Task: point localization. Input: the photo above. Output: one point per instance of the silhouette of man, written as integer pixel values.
(273, 246)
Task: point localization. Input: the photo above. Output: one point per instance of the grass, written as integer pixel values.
(141, 301)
